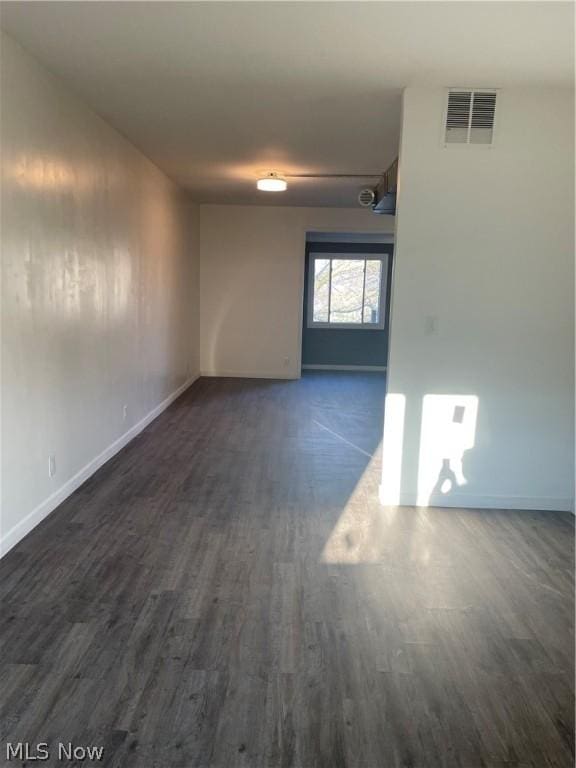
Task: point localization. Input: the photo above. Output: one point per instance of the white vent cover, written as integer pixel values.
(470, 117)
(366, 197)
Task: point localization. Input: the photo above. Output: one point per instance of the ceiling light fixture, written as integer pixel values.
(272, 183)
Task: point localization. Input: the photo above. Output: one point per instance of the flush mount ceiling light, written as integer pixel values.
(272, 183)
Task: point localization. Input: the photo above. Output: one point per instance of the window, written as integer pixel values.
(346, 290)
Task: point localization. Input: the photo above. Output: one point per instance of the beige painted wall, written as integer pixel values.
(99, 291)
(252, 273)
(483, 308)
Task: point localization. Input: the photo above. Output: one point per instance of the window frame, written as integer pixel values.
(342, 256)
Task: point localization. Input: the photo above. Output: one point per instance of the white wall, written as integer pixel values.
(484, 245)
(99, 291)
(252, 277)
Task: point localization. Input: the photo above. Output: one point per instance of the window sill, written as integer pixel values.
(345, 326)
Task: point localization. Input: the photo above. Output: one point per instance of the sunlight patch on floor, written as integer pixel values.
(358, 535)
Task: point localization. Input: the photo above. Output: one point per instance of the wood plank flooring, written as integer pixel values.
(228, 593)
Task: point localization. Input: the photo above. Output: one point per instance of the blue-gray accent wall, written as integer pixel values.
(345, 346)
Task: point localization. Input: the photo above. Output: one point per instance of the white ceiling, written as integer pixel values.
(215, 92)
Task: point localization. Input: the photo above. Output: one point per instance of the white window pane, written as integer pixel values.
(372, 291)
(321, 288)
(347, 290)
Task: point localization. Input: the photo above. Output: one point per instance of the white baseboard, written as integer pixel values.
(17, 532)
(462, 501)
(288, 376)
(249, 375)
(343, 367)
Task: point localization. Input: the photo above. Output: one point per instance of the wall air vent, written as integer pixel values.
(366, 197)
(470, 117)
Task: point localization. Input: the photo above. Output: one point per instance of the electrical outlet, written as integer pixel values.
(124, 413)
(51, 466)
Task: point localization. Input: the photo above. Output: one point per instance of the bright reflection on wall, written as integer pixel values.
(448, 430)
(46, 174)
(392, 449)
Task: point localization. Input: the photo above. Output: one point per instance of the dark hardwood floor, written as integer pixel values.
(227, 592)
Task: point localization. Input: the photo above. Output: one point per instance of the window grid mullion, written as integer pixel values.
(330, 292)
(363, 293)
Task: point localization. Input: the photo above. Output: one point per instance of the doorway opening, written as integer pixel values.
(347, 286)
